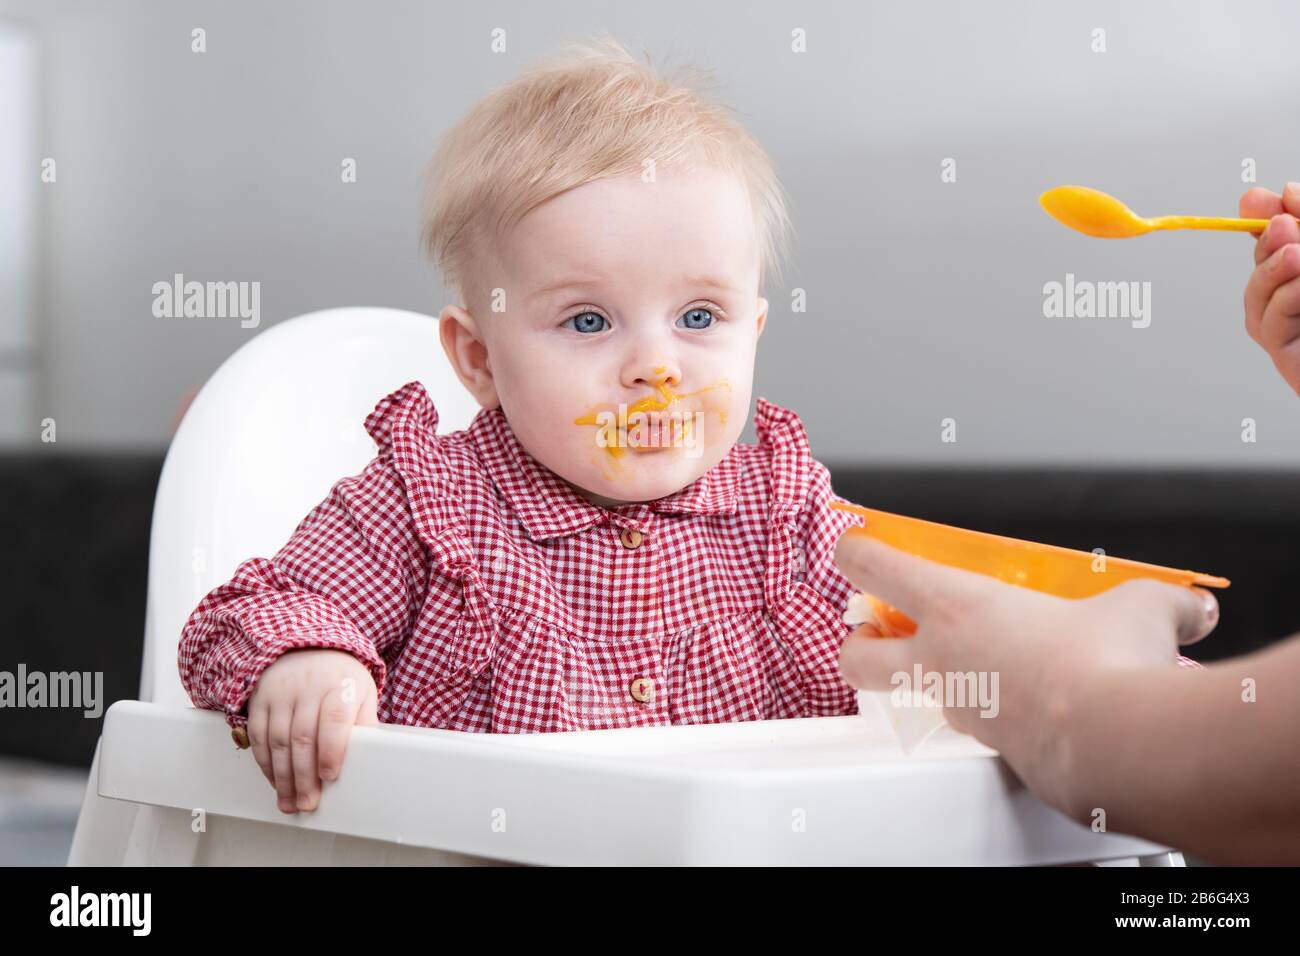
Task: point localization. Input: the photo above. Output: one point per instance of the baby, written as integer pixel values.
(596, 549)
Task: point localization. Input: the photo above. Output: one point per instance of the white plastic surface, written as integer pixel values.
(828, 790)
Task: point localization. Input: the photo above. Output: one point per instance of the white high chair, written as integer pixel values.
(262, 443)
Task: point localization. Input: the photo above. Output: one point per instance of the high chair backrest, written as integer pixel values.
(264, 441)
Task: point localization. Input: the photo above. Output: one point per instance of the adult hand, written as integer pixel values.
(1273, 291)
(1044, 649)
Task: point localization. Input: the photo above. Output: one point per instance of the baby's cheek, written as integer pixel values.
(718, 420)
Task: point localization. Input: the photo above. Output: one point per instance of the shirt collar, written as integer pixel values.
(713, 493)
(548, 507)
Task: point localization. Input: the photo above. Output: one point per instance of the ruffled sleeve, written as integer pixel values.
(462, 617)
(350, 578)
(804, 591)
(404, 427)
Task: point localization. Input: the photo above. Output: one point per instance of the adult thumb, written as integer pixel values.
(1194, 612)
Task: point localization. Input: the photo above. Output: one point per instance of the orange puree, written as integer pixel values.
(663, 398)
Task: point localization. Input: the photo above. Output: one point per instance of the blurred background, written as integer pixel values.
(913, 140)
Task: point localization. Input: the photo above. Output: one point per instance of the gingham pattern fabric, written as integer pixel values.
(484, 594)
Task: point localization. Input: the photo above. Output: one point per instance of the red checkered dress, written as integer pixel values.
(484, 594)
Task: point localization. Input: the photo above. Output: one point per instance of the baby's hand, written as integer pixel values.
(300, 718)
(1273, 292)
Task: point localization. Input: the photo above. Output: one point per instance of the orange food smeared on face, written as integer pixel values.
(674, 430)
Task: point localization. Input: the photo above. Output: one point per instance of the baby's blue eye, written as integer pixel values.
(696, 319)
(586, 322)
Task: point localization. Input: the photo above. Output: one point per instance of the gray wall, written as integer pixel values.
(925, 299)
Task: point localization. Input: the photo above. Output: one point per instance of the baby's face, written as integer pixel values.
(624, 356)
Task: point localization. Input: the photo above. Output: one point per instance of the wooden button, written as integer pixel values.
(631, 538)
(240, 736)
(642, 689)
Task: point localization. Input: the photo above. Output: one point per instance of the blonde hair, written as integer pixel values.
(588, 113)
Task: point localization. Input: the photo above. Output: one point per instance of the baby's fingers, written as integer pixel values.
(279, 735)
(306, 777)
(257, 722)
(339, 712)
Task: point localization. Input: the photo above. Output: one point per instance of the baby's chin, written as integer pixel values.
(640, 476)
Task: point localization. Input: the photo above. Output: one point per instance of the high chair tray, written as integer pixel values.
(832, 790)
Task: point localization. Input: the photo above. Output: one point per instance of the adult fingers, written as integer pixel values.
(1281, 309)
(1281, 229)
(1291, 199)
(868, 662)
(911, 584)
(1279, 325)
(1190, 613)
(1210, 608)
(1279, 268)
(1259, 203)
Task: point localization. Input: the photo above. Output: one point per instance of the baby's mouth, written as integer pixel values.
(656, 431)
(642, 431)
(651, 423)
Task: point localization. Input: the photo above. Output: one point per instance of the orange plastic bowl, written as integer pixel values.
(1064, 572)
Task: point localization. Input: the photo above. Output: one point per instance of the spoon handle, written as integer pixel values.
(1209, 222)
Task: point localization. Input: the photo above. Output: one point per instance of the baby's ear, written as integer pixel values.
(468, 354)
(762, 314)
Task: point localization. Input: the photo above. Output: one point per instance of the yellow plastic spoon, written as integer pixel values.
(1094, 213)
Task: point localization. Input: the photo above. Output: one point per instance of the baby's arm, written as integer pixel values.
(342, 591)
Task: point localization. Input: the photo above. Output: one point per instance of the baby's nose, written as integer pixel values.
(656, 375)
